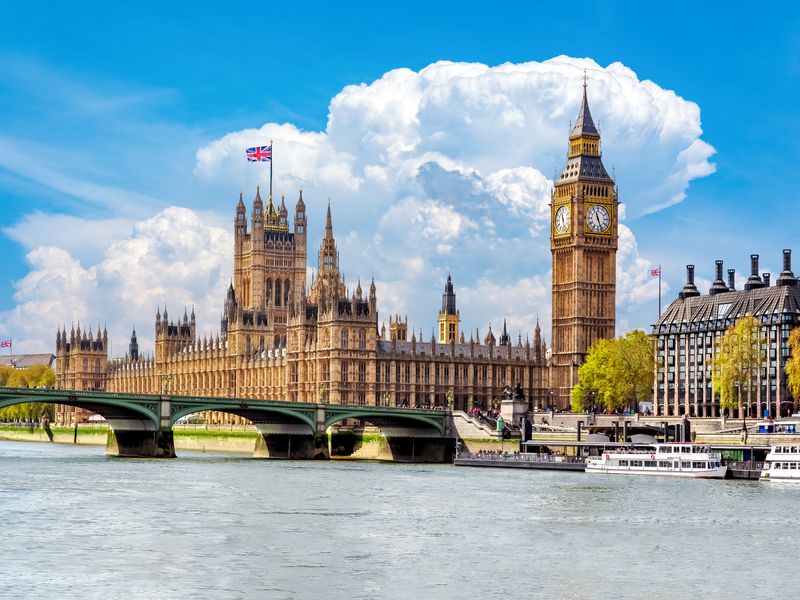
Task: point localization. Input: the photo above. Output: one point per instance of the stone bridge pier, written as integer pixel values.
(142, 438)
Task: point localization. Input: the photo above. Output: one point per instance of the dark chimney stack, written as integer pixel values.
(765, 277)
(732, 279)
(786, 277)
(690, 289)
(718, 287)
(754, 281)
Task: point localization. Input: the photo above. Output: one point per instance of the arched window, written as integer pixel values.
(286, 287)
(277, 292)
(362, 339)
(277, 343)
(344, 339)
(269, 290)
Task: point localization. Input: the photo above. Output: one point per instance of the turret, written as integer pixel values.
(504, 339)
(133, 346)
(448, 317)
(489, 340)
(283, 214)
(373, 298)
(240, 221)
(258, 220)
(300, 218)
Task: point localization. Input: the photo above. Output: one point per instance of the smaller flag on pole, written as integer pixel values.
(655, 272)
(259, 154)
(5, 344)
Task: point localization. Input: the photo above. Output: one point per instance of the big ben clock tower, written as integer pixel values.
(583, 242)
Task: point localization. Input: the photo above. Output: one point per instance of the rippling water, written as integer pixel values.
(78, 524)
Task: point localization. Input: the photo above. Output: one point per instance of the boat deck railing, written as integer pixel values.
(519, 457)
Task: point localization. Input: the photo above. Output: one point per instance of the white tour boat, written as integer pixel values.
(674, 460)
(782, 464)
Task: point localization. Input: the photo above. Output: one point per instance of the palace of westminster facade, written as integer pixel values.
(279, 339)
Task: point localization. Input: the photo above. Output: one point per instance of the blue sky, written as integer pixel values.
(104, 107)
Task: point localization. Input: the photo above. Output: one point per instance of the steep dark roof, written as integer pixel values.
(584, 125)
(772, 304)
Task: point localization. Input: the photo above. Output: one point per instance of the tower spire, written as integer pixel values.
(329, 223)
(584, 125)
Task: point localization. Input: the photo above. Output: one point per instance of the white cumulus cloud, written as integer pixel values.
(447, 168)
(171, 258)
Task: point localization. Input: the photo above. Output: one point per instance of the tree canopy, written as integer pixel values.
(617, 373)
(35, 376)
(736, 362)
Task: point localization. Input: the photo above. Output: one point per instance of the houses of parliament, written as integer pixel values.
(280, 339)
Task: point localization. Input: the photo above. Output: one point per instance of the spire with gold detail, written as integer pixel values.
(272, 218)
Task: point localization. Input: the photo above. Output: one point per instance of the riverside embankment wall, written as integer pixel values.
(366, 444)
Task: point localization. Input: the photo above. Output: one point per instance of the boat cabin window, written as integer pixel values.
(623, 463)
(698, 465)
(686, 464)
(664, 464)
(684, 449)
(636, 463)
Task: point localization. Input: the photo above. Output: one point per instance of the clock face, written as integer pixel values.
(562, 219)
(598, 218)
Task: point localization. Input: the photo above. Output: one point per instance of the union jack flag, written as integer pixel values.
(259, 154)
(655, 272)
(5, 344)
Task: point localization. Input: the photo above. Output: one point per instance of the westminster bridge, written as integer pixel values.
(141, 425)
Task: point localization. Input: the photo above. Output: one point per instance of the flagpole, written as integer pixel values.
(659, 291)
(270, 168)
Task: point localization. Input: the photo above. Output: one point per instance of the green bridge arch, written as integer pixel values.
(393, 416)
(109, 405)
(246, 410)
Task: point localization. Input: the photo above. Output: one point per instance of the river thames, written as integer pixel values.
(78, 524)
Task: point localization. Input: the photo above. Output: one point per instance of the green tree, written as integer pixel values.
(31, 377)
(738, 358)
(617, 373)
(793, 364)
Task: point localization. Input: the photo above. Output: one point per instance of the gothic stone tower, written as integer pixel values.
(269, 272)
(583, 242)
(449, 316)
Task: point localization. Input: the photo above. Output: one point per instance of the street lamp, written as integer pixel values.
(165, 379)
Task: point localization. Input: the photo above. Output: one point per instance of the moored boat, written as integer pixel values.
(782, 464)
(671, 460)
